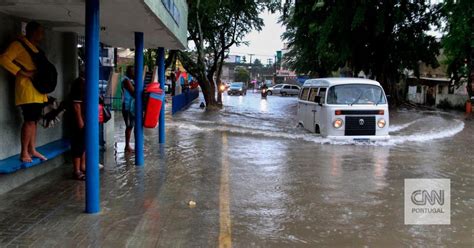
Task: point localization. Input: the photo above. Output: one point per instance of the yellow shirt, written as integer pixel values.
(16, 54)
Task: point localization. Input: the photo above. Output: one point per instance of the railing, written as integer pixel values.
(113, 103)
(183, 100)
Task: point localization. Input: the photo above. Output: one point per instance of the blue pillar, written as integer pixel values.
(139, 156)
(91, 106)
(160, 60)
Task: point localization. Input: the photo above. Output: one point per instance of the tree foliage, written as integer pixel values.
(458, 42)
(214, 26)
(379, 37)
(241, 75)
(257, 63)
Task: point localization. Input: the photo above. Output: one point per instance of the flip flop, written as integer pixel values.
(40, 156)
(79, 176)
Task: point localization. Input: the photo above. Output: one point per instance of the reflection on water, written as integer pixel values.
(290, 187)
(263, 105)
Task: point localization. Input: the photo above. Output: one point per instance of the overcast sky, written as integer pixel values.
(265, 43)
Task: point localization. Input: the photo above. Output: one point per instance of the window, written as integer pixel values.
(322, 94)
(170, 6)
(356, 94)
(418, 89)
(278, 86)
(295, 87)
(451, 89)
(440, 89)
(166, 3)
(236, 85)
(312, 94)
(304, 94)
(286, 87)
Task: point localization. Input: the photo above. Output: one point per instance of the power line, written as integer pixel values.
(254, 54)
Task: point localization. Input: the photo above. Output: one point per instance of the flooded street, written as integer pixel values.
(292, 188)
(257, 180)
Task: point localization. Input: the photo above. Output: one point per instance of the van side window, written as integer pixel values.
(322, 94)
(312, 94)
(304, 94)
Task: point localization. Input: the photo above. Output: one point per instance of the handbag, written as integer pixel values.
(107, 114)
(104, 114)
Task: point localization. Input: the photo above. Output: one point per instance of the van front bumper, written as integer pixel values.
(360, 138)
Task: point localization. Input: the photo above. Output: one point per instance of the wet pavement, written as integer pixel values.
(258, 180)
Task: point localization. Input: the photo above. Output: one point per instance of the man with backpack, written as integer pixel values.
(20, 59)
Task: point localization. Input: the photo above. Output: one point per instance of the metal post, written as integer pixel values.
(139, 156)
(91, 106)
(160, 60)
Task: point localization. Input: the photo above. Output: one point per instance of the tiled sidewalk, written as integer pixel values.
(141, 206)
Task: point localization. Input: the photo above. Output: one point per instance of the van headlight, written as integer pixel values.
(381, 123)
(338, 123)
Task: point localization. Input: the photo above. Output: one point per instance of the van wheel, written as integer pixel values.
(317, 129)
(269, 92)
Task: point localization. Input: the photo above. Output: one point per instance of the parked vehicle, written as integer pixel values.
(284, 90)
(344, 108)
(274, 89)
(237, 88)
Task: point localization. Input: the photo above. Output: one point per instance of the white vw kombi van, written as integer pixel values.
(344, 108)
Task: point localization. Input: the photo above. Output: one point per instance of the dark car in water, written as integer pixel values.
(237, 88)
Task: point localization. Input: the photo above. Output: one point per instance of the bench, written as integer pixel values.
(50, 151)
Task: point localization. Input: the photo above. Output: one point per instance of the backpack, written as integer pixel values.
(45, 78)
(131, 102)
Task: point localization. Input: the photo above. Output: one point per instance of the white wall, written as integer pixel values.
(61, 50)
(415, 97)
(458, 97)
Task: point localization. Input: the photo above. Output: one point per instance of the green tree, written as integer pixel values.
(458, 42)
(257, 63)
(149, 57)
(379, 37)
(214, 26)
(241, 75)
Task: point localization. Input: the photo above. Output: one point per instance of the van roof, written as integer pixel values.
(326, 82)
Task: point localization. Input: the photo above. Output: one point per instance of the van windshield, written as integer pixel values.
(356, 94)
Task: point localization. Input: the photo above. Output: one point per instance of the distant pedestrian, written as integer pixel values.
(128, 105)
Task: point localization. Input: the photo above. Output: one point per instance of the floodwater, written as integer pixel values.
(291, 188)
(257, 180)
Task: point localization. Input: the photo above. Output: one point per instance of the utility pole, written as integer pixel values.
(251, 66)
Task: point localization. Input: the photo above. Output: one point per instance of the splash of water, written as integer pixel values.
(396, 128)
(433, 134)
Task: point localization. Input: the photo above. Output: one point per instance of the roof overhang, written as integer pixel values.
(428, 81)
(119, 19)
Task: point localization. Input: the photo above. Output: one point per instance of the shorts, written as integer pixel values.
(78, 142)
(129, 118)
(32, 111)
